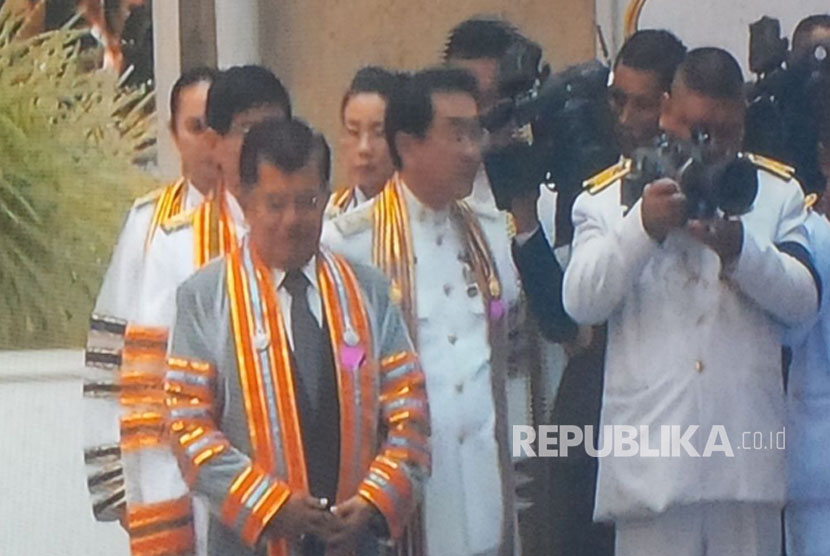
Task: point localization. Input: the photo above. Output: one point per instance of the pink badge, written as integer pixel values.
(497, 309)
(352, 357)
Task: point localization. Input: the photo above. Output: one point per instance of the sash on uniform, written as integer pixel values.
(169, 204)
(392, 252)
(214, 231)
(341, 200)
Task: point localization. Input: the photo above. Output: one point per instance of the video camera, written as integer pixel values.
(561, 126)
(782, 119)
(709, 182)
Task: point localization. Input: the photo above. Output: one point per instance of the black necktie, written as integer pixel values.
(316, 384)
(308, 337)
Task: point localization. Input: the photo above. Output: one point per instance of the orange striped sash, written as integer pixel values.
(265, 368)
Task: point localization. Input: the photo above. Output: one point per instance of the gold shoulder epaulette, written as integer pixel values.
(150, 197)
(178, 221)
(355, 221)
(607, 177)
(774, 167)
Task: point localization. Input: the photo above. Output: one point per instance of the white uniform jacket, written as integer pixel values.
(691, 343)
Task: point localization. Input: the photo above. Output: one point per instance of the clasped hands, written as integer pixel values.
(664, 209)
(340, 527)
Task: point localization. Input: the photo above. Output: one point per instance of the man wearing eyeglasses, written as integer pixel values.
(297, 402)
(239, 98)
(450, 266)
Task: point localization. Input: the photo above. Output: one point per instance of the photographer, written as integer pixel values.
(642, 76)
(694, 310)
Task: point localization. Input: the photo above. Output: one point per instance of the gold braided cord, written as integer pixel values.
(632, 16)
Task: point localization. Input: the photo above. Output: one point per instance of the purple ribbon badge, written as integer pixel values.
(497, 309)
(352, 357)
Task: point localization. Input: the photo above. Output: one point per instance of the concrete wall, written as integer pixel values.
(315, 46)
(44, 506)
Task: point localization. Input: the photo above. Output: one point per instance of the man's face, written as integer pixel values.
(285, 214)
(190, 136)
(448, 156)
(686, 111)
(227, 148)
(486, 72)
(635, 97)
(363, 143)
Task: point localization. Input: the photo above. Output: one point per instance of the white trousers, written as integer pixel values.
(710, 529)
(808, 528)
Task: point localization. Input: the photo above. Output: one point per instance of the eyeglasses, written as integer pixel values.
(302, 203)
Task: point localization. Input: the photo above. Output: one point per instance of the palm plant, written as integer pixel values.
(71, 140)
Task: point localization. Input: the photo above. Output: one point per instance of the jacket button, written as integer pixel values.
(452, 338)
(459, 387)
(699, 366)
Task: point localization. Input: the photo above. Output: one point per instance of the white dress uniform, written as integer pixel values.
(692, 343)
(118, 299)
(808, 422)
(463, 499)
(118, 296)
(170, 261)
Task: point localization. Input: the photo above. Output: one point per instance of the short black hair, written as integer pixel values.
(242, 88)
(411, 110)
(653, 50)
(373, 79)
(712, 72)
(480, 37)
(200, 74)
(809, 24)
(286, 144)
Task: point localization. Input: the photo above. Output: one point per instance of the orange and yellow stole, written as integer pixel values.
(214, 232)
(341, 199)
(266, 373)
(169, 204)
(392, 251)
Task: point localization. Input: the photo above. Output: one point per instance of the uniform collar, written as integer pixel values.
(419, 212)
(235, 210)
(192, 196)
(309, 269)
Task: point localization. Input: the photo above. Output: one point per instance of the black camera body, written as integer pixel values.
(562, 126)
(712, 186)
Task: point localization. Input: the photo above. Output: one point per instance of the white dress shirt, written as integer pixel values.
(315, 302)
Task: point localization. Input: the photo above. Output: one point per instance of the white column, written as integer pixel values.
(237, 32)
(609, 18)
(167, 60)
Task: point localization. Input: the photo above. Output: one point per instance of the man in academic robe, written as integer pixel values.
(297, 403)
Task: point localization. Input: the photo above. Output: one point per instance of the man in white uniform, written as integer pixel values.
(451, 267)
(242, 97)
(695, 312)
